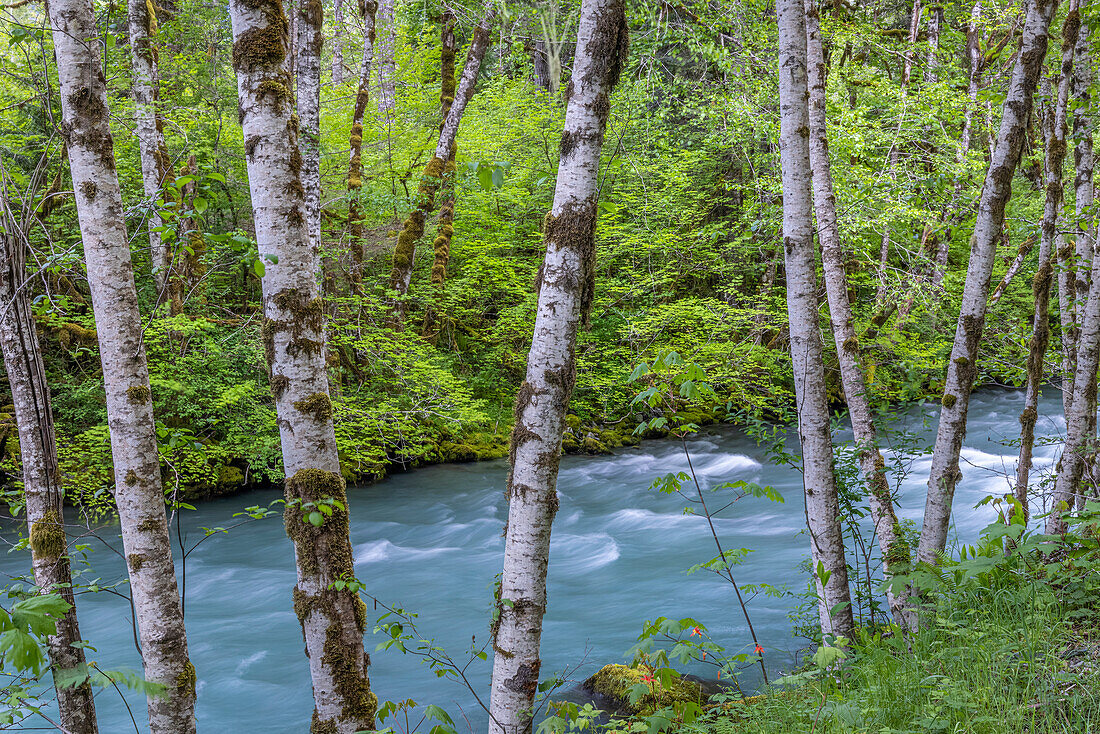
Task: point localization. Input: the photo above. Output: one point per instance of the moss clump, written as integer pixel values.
(89, 189)
(279, 385)
(131, 478)
(327, 547)
(150, 525)
(276, 90)
(138, 394)
(318, 405)
(614, 682)
(348, 664)
(185, 681)
(136, 562)
(258, 48)
(48, 536)
(949, 401)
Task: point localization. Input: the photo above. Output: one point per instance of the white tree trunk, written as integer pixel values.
(42, 490)
(432, 178)
(1084, 163)
(932, 62)
(906, 74)
(367, 11)
(138, 488)
(1055, 129)
(895, 552)
(387, 63)
(819, 482)
(155, 163)
(333, 621)
(308, 42)
(337, 42)
(565, 294)
(962, 370)
(974, 55)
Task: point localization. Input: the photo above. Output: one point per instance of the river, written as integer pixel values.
(430, 541)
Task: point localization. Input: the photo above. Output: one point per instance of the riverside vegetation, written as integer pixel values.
(308, 246)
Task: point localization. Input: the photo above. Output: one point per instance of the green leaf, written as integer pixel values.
(316, 519)
(485, 177)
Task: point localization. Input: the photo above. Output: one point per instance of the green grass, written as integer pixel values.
(989, 660)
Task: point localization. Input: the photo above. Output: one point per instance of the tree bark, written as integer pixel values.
(367, 9)
(895, 551)
(337, 41)
(308, 42)
(387, 64)
(432, 177)
(333, 621)
(1084, 163)
(565, 286)
(1055, 130)
(962, 369)
(155, 161)
(906, 74)
(441, 246)
(138, 490)
(974, 55)
(1013, 268)
(932, 61)
(42, 488)
(819, 482)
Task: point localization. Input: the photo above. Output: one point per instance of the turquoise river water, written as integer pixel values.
(430, 541)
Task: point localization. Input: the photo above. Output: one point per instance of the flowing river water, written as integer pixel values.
(430, 541)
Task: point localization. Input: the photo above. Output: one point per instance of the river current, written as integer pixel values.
(430, 542)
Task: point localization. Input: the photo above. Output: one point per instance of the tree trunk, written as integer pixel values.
(432, 178)
(308, 42)
(337, 42)
(155, 162)
(1055, 129)
(387, 65)
(138, 490)
(895, 552)
(962, 369)
(1013, 268)
(906, 74)
(932, 62)
(565, 286)
(1084, 163)
(367, 10)
(819, 482)
(333, 621)
(42, 488)
(441, 247)
(974, 54)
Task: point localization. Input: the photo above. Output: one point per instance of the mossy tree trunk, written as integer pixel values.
(42, 490)
(441, 246)
(1081, 410)
(565, 286)
(819, 481)
(148, 125)
(895, 552)
(367, 9)
(308, 42)
(139, 495)
(961, 370)
(1055, 128)
(432, 177)
(333, 621)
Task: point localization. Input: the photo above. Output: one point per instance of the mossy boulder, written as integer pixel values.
(611, 686)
